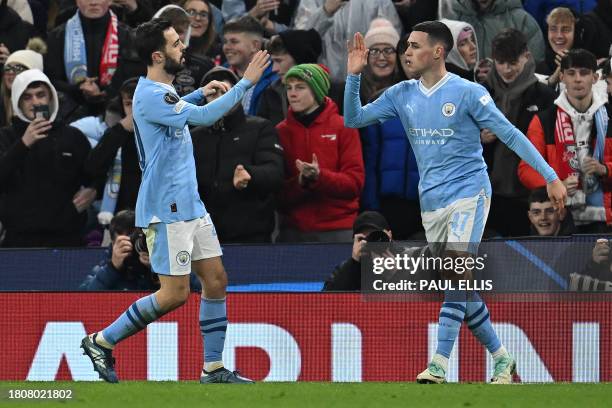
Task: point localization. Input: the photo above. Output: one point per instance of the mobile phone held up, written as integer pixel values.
(42, 112)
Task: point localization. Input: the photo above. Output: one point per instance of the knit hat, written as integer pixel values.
(28, 58)
(304, 46)
(315, 75)
(381, 31)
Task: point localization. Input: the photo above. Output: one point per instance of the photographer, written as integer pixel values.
(127, 265)
(368, 227)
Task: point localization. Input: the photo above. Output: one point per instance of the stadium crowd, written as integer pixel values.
(282, 166)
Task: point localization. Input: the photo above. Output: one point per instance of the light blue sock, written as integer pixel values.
(142, 312)
(213, 324)
(479, 322)
(449, 325)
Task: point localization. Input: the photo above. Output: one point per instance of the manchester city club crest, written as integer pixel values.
(183, 258)
(448, 109)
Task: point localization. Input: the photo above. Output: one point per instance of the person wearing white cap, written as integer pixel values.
(16, 63)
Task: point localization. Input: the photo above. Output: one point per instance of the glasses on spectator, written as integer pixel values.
(537, 212)
(194, 13)
(387, 51)
(15, 68)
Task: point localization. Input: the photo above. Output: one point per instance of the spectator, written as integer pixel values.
(391, 177)
(204, 42)
(413, 12)
(347, 275)
(489, 17)
(194, 67)
(126, 265)
(116, 156)
(323, 162)
(519, 95)
(287, 49)
(242, 39)
(95, 63)
(563, 33)
(129, 12)
(14, 32)
(546, 221)
(337, 21)
(541, 9)
(381, 70)
(239, 166)
(42, 170)
(574, 138)
(463, 57)
(274, 15)
(16, 63)
(598, 29)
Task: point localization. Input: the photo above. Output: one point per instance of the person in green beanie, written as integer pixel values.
(324, 172)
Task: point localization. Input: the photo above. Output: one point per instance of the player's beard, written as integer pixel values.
(172, 67)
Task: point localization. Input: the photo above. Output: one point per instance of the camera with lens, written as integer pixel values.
(379, 241)
(139, 242)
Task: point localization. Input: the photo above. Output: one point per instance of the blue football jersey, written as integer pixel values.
(443, 125)
(169, 190)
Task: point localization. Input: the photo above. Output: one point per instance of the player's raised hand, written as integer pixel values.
(257, 66)
(357, 55)
(557, 193)
(213, 87)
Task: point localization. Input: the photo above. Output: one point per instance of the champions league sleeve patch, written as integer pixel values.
(171, 99)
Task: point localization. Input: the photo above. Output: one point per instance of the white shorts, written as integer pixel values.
(172, 247)
(459, 225)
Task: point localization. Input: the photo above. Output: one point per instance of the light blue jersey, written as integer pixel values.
(443, 125)
(169, 189)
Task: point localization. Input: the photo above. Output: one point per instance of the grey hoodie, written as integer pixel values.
(502, 14)
(21, 84)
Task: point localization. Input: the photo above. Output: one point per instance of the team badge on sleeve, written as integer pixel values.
(484, 99)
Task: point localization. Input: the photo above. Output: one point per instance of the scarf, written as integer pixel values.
(75, 54)
(111, 192)
(506, 95)
(573, 144)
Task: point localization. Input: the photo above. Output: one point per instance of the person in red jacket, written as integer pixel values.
(575, 139)
(324, 171)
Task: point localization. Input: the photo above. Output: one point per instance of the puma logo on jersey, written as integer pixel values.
(330, 137)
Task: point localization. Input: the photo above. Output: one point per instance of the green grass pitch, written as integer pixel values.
(191, 394)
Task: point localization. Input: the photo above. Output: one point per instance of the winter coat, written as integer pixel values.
(332, 202)
(390, 166)
(239, 215)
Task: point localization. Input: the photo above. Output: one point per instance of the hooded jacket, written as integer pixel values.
(37, 183)
(455, 62)
(332, 202)
(239, 215)
(502, 14)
